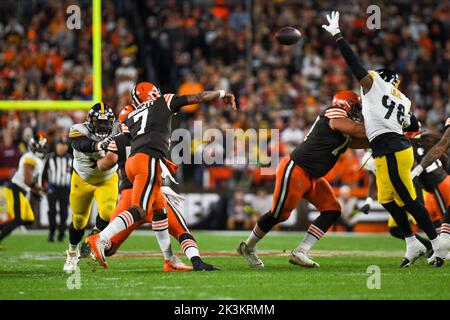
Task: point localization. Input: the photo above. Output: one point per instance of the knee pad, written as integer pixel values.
(79, 222)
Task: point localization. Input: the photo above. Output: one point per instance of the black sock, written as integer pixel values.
(75, 235)
(8, 228)
(100, 223)
(422, 217)
(400, 217)
(266, 222)
(326, 219)
(447, 216)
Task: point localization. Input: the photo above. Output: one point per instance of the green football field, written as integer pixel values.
(31, 268)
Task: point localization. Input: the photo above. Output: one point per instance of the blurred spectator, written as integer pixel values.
(241, 215)
(349, 205)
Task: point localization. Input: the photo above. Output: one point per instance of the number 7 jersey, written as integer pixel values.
(385, 108)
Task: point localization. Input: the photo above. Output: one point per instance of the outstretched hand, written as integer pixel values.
(229, 99)
(333, 20)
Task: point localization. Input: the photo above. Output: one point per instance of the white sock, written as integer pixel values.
(161, 229)
(192, 252)
(435, 243)
(313, 235)
(411, 239)
(255, 236)
(120, 223)
(73, 247)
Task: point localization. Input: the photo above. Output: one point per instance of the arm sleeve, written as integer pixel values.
(350, 57)
(175, 102)
(414, 125)
(83, 144)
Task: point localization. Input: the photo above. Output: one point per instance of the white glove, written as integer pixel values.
(333, 21)
(416, 172)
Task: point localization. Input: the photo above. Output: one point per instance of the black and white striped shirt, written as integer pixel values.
(57, 170)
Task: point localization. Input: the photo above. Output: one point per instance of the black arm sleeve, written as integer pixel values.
(177, 103)
(414, 126)
(350, 57)
(84, 144)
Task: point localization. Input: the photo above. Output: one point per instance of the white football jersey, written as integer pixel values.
(385, 108)
(19, 176)
(85, 163)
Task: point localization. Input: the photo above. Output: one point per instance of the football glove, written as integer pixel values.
(103, 145)
(333, 21)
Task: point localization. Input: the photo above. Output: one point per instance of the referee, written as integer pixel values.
(57, 173)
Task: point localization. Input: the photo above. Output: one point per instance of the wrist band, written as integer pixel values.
(369, 201)
(221, 94)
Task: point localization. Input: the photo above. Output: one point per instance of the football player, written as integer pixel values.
(301, 175)
(150, 129)
(386, 113)
(89, 140)
(117, 153)
(24, 181)
(430, 160)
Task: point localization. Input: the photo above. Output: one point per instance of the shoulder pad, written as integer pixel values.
(78, 130)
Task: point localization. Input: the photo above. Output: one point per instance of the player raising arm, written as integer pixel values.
(386, 113)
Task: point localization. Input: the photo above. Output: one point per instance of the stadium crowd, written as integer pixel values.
(201, 45)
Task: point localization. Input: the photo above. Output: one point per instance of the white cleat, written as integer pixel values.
(413, 252)
(441, 251)
(71, 261)
(300, 258)
(250, 255)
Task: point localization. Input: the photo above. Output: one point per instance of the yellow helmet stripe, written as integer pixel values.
(102, 108)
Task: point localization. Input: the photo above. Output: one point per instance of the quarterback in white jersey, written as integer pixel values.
(24, 180)
(386, 113)
(89, 141)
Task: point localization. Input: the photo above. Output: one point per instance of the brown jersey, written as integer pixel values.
(322, 146)
(150, 125)
(121, 145)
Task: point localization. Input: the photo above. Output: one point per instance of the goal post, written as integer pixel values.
(96, 75)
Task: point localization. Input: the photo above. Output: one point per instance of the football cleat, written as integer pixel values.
(441, 251)
(300, 258)
(85, 250)
(203, 266)
(175, 264)
(413, 252)
(98, 248)
(71, 261)
(250, 255)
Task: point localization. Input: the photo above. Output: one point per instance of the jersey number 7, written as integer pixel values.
(391, 105)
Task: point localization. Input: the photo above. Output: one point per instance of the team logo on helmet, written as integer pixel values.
(143, 92)
(101, 119)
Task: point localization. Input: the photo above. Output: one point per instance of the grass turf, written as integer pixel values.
(31, 268)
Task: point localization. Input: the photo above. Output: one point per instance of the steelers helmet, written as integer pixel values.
(100, 120)
(38, 146)
(389, 76)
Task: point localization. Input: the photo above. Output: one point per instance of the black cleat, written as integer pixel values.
(438, 262)
(202, 266)
(405, 263)
(85, 250)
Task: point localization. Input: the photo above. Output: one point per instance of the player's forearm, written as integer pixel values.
(107, 162)
(84, 144)
(205, 96)
(437, 151)
(350, 57)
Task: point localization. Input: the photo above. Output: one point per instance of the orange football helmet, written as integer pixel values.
(349, 101)
(125, 112)
(145, 91)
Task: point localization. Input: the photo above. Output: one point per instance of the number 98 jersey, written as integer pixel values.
(385, 108)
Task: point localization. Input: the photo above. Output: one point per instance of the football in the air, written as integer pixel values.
(288, 35)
